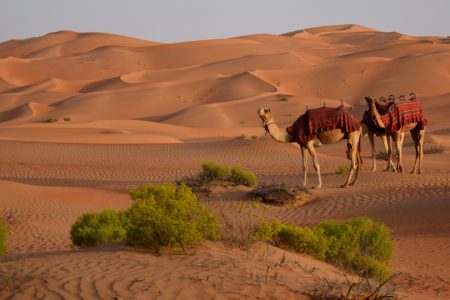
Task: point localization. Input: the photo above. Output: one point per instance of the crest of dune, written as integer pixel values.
(97, 76)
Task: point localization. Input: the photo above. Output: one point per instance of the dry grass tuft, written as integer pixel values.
(433, 149)
(281, 194)
(12, 276)
(364, 288)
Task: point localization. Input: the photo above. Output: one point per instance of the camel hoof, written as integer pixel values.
(317, 187)
(390, 169)
(344, 186)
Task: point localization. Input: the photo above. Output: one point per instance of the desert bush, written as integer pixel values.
(168, 215)
(52, 120)
(67, 119)
(212, 170)
(93, 229)
(342, 170)
(241, 176)
(359, 244)
(304, 239)
(254, 137)
(3, 237)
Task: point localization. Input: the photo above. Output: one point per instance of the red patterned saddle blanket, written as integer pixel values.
(401, 113)
(322, 119)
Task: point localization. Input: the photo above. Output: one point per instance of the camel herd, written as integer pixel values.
(388, 119)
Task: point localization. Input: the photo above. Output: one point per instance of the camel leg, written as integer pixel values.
(387, 146)
(372, 146)
(358, 159)
(399, 146)
(390, 166)
(312, 152)
(304, 164)
(384, 138)
(418, 138)
(421, 140)
(352, 148)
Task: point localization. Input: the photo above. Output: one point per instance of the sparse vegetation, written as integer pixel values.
(241, 176)
(93, 229)
(161, 215)
(254, 137)
(168, 215)
(52, 120)
(342, 170)
(434, 149)
(363, 288)
(242, 225)
(359, 244)
(67, 119)
(3, 237)
(284, 99)
(12, 276)
(213, 171)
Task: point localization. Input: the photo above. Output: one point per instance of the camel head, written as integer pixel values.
(371, 100)
(266, 115)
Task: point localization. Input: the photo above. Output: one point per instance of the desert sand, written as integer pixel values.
(143, 111)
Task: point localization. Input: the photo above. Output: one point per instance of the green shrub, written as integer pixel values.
(52, 120)
(267, 231)
(3, 238)
(359, 244)
(304, 239)
(93, 229)
(167, 215)
(355, 241)
(254, 137)
(214, 171)
(67, 119)
(343, 169)
(241, 176)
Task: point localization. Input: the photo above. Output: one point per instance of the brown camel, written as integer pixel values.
(369, 127)
(365, 130)
(416, 126)
(325, 137)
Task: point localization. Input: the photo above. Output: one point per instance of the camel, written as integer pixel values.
(371, 134)
(369, 127)
(325, 137)
(416, 129)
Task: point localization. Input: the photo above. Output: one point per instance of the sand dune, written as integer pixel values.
(141, 111)
(23, 112)
(64, 43)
